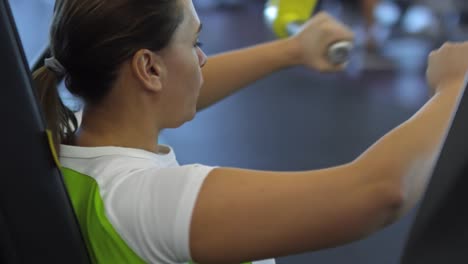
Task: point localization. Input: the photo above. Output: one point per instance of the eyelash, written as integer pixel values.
(198, 44)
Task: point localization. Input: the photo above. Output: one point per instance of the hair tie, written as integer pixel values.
(54, 65)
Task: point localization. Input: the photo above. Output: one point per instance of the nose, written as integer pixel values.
(202, 58)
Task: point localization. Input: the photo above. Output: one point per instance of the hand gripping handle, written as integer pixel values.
(338, 53)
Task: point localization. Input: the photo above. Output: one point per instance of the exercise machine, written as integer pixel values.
(37, 222)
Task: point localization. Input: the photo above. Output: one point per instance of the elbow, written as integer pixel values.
(393, 202)
(404, 187)
(387, 192)
(410, 183)
(390, 204)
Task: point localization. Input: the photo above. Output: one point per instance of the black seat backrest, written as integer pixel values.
(440, 231)
(37, 223)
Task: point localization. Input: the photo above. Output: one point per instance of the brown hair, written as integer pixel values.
(91, 39)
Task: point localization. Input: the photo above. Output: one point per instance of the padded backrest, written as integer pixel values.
(440, 231)
(37, 223)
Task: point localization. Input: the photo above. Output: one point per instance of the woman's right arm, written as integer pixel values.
(243, 215)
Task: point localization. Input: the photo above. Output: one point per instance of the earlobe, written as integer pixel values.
(148, 70)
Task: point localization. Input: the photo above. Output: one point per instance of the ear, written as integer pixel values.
(148, 69)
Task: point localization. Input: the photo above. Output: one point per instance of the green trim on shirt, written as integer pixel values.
(241, 263)
(103, 242)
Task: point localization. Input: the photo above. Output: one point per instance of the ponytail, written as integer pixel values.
(61, 121)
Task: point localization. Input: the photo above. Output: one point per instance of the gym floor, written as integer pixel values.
(293, 120)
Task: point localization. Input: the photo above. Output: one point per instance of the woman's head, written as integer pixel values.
(95, 39)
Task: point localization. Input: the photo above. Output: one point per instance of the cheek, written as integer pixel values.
(184, 74)
(193, 72)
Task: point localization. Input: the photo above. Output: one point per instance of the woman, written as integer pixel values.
(138, 67)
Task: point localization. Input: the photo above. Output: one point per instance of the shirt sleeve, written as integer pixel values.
(152, 209)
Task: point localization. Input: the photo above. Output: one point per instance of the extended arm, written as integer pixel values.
(244, 215)
(226, 73)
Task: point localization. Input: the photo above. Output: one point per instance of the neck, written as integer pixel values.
(117, 126)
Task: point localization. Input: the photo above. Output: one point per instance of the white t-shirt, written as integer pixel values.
(148, 198)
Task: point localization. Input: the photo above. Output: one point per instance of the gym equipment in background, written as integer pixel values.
(286, 17)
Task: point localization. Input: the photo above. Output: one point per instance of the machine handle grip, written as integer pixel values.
(338, 53)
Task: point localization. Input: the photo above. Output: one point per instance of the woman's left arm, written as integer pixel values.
(227, 73)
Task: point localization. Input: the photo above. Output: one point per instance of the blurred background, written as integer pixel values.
(297, 119)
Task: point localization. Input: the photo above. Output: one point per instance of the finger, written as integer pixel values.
(341, 29)
(318, 20)
(334, 69)
(445, 46)
(323, 16)
(340, 67)
(326, 67)
(432, 55)
(464, 44)
(336, 33)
